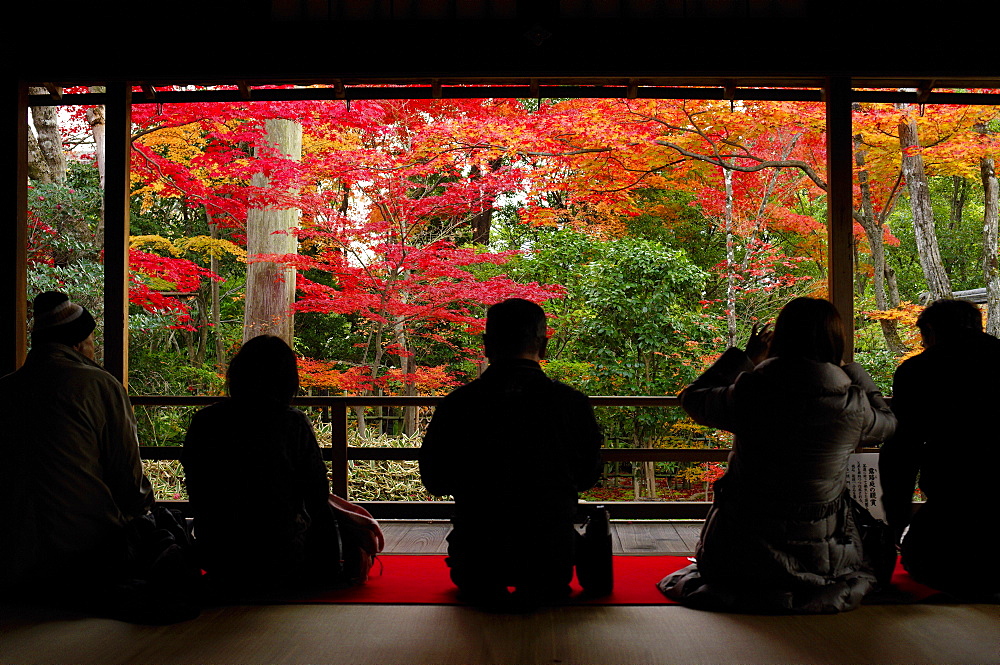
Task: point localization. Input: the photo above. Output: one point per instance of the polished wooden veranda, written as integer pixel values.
(937, 634)
(446, 635)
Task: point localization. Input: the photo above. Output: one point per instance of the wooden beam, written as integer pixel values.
(14, 304)
(118, 148)
(840, 222)
(648, 88)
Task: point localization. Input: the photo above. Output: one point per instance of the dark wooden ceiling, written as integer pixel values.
(719, 43)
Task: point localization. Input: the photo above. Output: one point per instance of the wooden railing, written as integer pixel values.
(340, 454)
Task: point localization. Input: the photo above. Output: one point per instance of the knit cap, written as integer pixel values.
(58, 319)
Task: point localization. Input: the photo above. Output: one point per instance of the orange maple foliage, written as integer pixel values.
(906, 316)
(324, 375)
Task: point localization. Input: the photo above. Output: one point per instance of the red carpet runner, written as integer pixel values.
(423, 580)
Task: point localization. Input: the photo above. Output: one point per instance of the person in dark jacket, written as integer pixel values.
(945, 399)
(257, 482)
(70, 475)
(514, 448)
(780, 536)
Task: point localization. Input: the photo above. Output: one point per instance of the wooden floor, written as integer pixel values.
(938, 634)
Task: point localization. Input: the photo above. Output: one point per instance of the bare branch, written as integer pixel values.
(761, 163)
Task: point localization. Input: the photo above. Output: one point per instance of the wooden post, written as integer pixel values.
(118, 148)
(840, 203)
(14, 259)
(338, 452)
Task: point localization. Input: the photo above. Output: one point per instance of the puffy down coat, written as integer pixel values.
(780, 536)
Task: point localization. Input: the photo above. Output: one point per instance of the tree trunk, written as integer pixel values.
(95, 116)
(359, 414)
(409, 390)
(270, 289)
(216, 301)
(991, 243)
(199, 358)
(938, 283)
(38, 169)
(959, 195)
(874, 232)
(481, 223)
(727, 176)
(46, 122)
(407, 365)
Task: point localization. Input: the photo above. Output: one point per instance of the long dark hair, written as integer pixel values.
(809, 328)
(264, 370)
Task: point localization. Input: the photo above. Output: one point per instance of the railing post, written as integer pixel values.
(338, 449)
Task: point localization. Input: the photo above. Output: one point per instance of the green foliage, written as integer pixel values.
(880, 364)
(959, 237)
(959, 240)
(573, 373)
(626, 324)
(385, 480)
(327, 336)
(167, 479)
(63, 242)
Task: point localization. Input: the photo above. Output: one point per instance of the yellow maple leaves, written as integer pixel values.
(204, 245)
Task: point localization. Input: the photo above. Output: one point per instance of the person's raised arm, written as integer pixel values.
(709, 399)
(881, 422)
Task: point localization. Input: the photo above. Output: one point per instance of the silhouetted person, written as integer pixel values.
(780, 536)
(70, 474)
(257, 482)
(514, 448)
(947, 399)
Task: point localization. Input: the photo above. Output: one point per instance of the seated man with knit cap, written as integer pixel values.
(70, 474)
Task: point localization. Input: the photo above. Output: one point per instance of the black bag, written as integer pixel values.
(594, 567)
(878, 546)
(159, 546)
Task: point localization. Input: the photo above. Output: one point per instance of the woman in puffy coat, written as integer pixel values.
(780, 536)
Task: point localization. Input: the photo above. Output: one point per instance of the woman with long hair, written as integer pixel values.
(257, 482)
(780, 536)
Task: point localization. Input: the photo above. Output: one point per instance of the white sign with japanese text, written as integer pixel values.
(864, 483)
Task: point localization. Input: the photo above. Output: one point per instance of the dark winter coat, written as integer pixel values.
(259, 492)
(70, 474)
(514, 448)
(780, 536)
(946, 399)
